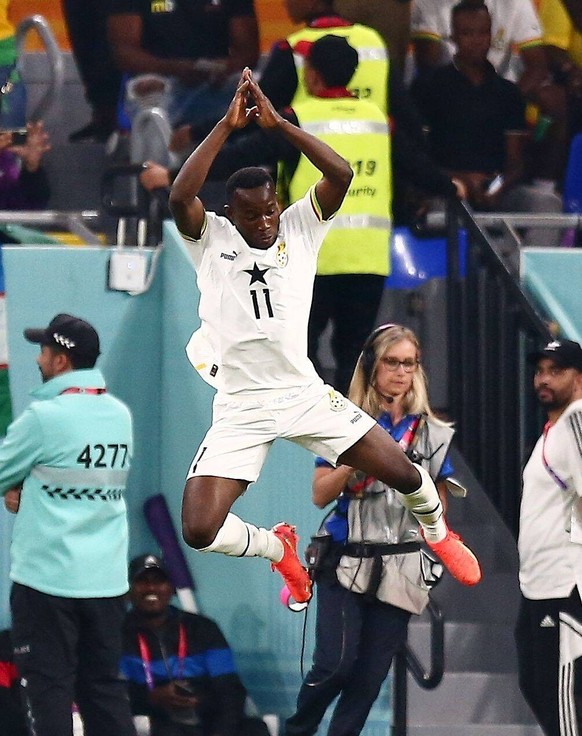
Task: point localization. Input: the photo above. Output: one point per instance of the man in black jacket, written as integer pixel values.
(179, 667)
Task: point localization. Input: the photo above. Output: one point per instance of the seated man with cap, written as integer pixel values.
(179, 667)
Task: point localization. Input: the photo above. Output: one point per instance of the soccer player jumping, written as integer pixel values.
(255, 271)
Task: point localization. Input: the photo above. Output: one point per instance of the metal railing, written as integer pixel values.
(140, 213)
(491, 326)
(74, 222)
(438, 219)
(55, 62)
(406, 661)
(146, 215)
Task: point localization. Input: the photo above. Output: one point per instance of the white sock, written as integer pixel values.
(239, 539)
(425, 505)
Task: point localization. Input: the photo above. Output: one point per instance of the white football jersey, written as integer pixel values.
(550, 528)
(514, 25)
(255, 304)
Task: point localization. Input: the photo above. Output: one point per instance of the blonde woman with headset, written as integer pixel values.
(370, 569)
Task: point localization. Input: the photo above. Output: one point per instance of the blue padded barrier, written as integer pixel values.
(573, 179)
(416, 260)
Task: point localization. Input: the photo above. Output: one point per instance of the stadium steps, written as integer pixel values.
(479, 694)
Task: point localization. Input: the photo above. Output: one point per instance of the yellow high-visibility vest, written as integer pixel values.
(359, 240)
(370, 80)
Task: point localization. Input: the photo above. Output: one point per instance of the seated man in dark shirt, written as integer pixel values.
(179, 667)
(476, 120)
(195, 49)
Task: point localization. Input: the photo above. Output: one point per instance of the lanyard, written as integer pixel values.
(551, 471)
(77, 390)
(409, 433)
(146, 657)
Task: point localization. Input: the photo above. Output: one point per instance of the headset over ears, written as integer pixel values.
(368, 352)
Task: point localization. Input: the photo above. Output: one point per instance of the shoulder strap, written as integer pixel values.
(416, 432)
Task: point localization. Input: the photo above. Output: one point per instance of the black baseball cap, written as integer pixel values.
(564, 353)
(140, 564)
(68, 333)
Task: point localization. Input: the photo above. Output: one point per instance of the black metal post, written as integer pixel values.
(400, 694)
(453, 311)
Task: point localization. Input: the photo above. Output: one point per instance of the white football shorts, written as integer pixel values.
(316, 417)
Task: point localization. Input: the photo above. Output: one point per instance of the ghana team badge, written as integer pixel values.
(281, 258)
(336, 401)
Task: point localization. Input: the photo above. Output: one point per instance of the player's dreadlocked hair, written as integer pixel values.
(250, 177)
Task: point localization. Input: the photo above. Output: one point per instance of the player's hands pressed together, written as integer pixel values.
(239, 114)
(264, 113)
(241, 111)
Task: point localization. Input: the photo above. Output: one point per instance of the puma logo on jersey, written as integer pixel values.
(229, 256)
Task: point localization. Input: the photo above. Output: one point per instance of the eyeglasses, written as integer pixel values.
(393, 364)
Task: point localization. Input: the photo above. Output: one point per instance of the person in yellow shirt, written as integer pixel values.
(563, 42)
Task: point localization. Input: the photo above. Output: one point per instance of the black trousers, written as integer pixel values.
(68, 650)
(248, 727)
(548, 635)
(355, 642)
(351, 303)
(87, 27)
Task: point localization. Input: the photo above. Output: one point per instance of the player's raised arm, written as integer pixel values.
(337, 173)
(187, 209)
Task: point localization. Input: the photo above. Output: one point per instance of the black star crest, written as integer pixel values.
(257, 274)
